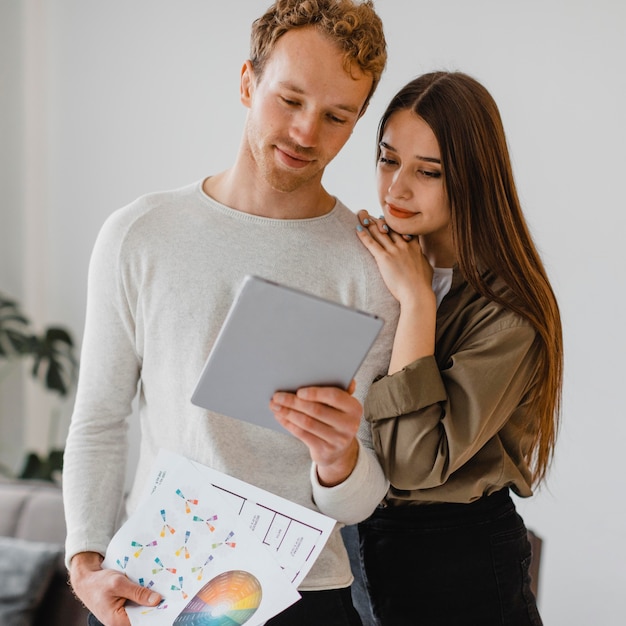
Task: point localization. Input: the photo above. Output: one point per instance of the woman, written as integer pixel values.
(470, 407)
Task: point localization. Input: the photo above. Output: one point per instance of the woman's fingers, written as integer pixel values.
(376, 235)
(363, 215)
(373, 222)
(372, 229)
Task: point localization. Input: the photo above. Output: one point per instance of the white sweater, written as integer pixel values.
(163, 273)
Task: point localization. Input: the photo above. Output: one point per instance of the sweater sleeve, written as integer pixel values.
(427, 423)
(356, 498)
(353, 500)
(109, 373)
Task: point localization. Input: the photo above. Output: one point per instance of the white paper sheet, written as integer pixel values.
(201, 539)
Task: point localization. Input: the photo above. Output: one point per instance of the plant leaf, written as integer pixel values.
(52, 352)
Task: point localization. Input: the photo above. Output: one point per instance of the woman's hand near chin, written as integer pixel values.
(401, 262)
(408, 276)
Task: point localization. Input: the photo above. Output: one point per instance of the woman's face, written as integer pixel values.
(409, 178)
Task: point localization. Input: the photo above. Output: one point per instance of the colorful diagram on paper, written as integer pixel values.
(189, 542)
(229, 599)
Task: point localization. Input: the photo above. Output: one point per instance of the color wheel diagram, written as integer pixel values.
(229, 599)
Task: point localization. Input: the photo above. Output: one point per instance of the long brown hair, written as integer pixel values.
(488, 227)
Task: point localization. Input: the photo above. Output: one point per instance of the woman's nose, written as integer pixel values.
(398, 187)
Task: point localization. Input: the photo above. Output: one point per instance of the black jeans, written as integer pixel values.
(316, 608)
(447, 565)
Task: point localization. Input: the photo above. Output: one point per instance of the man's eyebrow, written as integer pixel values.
(344, 107)
(382, 144)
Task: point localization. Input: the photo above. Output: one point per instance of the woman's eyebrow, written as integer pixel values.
(385, 145)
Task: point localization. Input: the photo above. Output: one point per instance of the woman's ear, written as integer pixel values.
(247, 83)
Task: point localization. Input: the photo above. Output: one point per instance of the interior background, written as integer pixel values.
(101, 102)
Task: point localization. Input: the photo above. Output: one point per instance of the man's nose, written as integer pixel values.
(305, 129)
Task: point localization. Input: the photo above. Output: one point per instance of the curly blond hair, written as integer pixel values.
(353, 25)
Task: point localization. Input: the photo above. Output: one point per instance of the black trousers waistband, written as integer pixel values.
(495, 504)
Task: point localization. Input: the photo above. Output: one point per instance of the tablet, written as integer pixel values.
(276, 338)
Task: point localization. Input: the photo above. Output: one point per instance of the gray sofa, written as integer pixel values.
(33, 578)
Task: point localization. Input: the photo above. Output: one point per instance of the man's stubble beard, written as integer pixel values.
(262, 156)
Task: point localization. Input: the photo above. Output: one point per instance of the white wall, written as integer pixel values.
(10, 213)
(143, 95)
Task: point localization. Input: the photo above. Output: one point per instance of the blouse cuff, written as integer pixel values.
(415, 387)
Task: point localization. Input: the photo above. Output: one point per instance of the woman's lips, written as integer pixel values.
(399, 213)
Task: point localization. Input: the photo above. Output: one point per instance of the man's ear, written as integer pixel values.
(247, 84)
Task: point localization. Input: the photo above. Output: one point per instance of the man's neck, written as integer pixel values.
(257, 197)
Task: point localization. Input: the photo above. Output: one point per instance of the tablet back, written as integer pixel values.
(278, 338)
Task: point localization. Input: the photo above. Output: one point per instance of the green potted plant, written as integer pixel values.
(53, 363)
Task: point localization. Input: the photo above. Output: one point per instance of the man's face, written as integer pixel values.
(302, 110)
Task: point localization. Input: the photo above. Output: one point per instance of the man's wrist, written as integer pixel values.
(82, 561)
(336, 473)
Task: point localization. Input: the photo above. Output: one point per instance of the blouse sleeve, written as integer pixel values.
(428, 422)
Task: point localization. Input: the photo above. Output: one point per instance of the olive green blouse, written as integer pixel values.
(454, 426)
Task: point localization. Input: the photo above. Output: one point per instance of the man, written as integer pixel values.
(163, 274)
